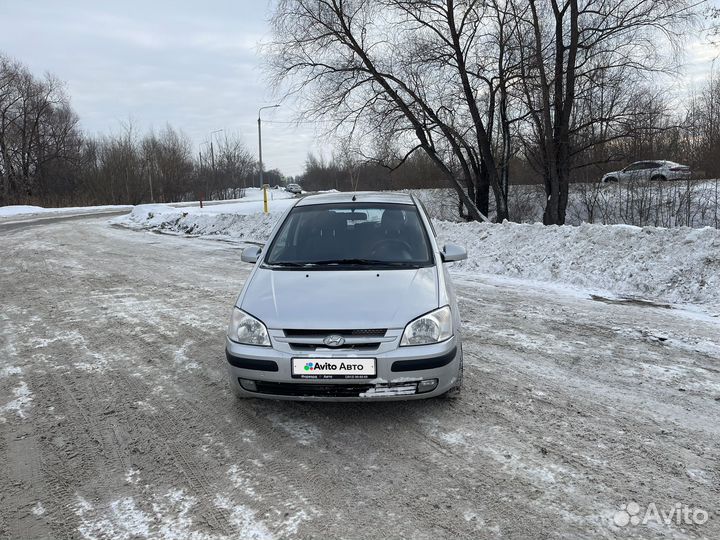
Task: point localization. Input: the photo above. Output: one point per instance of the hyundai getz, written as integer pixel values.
(349, 300)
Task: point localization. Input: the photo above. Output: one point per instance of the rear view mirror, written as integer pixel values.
(250, 254)
(451, 253)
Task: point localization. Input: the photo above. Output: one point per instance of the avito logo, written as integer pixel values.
(317, 365)
(310, 366)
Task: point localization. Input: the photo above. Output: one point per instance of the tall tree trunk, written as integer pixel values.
(482, 194)
(482, 135)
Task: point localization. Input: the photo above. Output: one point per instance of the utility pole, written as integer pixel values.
(260, 141)
(212, 159)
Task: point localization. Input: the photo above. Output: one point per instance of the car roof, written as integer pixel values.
(357, 196)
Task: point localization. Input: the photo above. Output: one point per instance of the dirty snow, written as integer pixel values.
(10, 370)
(21, 403)
(38, 509)
(569, 405)
(303, 432)
(244, 520)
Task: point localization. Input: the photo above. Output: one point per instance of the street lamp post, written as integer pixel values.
(212, 152)
(260, 140)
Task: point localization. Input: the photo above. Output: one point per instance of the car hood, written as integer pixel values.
(340, 299)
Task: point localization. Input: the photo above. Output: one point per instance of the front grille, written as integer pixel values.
(363, 332)
(315, 390)
(314, 347)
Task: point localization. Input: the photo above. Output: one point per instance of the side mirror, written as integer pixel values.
(451, 253)
(250, 254)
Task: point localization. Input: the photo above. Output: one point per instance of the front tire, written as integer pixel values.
(659, 178)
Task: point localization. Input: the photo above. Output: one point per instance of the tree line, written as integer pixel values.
(46, 159)
(559, 85)
(660, 130)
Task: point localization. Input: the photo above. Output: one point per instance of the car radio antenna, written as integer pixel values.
(354, 198)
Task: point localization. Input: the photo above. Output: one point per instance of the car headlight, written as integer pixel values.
(246, 329)
(433, 327)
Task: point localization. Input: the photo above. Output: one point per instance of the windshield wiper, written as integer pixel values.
(290, 264)
(362, 262)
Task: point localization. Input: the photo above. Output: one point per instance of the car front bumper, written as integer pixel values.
(399, 372)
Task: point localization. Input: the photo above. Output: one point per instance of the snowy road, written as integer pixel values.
(116, 420)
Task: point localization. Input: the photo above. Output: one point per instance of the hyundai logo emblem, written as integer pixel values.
(334, 340)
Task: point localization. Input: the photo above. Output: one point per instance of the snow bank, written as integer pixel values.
(680, 265)
(222, 222)
(21, 210)
(250, 203)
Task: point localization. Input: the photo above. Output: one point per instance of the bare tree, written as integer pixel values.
(235, 164)
(38, 130)
(166, 164)
(571, 50)
(406, 71)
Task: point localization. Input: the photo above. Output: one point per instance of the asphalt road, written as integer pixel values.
(116, 420)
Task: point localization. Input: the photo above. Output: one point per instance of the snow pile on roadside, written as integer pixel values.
(250, 195)
(22, 210)
(671, 265)
(219, 222)
(679, 265)
(19, 209)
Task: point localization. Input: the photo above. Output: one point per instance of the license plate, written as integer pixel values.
(333, 368)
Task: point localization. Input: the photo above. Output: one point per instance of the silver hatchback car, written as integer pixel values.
(348, 301)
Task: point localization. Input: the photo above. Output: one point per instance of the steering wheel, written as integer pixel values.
(389, 243)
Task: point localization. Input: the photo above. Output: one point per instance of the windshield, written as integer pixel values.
(378, 235)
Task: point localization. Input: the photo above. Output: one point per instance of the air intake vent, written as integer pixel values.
(365, 332)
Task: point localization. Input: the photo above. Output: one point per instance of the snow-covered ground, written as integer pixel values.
(24, 210)
(680, 265)
(695, 203)
(116, 419)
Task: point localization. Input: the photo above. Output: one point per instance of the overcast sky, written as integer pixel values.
(194, 65)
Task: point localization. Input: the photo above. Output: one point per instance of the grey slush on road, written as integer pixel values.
(349, 300)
